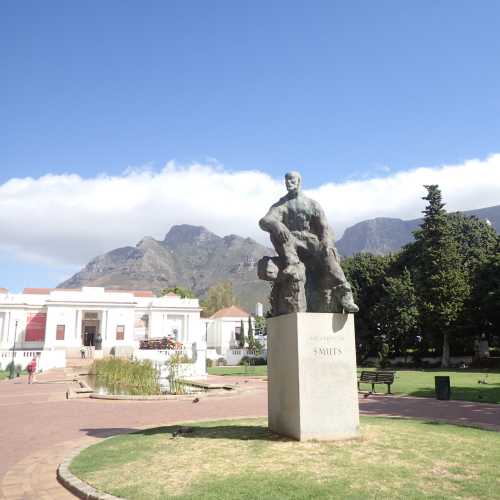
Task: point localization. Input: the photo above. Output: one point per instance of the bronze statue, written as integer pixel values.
(307, 275)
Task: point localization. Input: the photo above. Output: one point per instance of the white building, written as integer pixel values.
(223, 330)
(61, 321)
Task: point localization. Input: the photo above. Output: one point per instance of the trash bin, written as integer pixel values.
(442, 387)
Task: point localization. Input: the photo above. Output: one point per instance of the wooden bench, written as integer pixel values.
(379, 377)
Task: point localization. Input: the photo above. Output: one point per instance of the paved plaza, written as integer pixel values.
(40, 426)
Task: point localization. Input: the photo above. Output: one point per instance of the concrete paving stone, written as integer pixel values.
(10, 492)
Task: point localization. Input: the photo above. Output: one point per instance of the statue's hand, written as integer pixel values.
(323, 245)
(283, 234)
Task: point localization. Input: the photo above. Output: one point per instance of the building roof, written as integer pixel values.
(135, 293)
(4, 290)
(46, 291)
(230, 312)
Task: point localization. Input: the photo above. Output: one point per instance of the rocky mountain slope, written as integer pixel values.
(382, 235)
(189, 256)
(193, 257)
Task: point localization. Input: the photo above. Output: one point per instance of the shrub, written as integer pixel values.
(222, 362)
(368, 364)
(17, 368)
(121, 375)
(209, 363)
(488, 363)
(252, 360)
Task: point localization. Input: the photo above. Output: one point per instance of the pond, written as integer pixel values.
(165, 386)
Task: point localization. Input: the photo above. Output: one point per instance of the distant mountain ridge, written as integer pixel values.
(384, 235)
(189, 256)
(193, 257)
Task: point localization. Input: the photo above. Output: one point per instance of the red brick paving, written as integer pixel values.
(39, 426)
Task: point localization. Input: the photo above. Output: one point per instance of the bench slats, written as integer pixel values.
(380, 377)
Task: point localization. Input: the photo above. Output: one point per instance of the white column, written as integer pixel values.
(3, 315)
(105, 332)
(185, 328)
(78, 325)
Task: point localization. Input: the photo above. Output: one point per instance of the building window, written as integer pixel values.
(120, 332)
(60, 329)
(35, 327)
(237, 334)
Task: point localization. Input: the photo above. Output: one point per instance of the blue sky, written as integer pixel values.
(342, 91)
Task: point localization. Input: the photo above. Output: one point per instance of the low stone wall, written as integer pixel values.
(234, 356)
(195, 369)
(46, 359)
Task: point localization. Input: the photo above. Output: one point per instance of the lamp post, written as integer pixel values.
(12, 365)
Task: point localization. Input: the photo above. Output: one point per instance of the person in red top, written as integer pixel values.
(31, 371)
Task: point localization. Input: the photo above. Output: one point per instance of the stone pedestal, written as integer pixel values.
(312, 380)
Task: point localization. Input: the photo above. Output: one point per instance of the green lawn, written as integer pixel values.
(231, 460)
(5, 374)
(239, 370)
(464, 383)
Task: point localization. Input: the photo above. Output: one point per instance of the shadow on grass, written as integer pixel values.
(108, 431)
(465, 425)
(483, 394)
(237, 432)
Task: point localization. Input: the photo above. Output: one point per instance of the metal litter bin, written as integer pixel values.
(442, 387)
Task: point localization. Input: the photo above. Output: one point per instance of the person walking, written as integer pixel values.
(31, 371)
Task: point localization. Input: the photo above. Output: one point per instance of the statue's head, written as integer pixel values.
(293, 181)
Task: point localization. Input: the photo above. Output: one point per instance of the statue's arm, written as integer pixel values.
(272, 222)
(324, 232)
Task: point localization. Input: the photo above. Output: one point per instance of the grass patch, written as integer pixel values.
(465, 384)
(241, 459)
(244, 371)
(4, 374)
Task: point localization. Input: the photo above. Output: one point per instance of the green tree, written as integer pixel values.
(486, 295)
(477, 240)
(398, 313)
(242, 335)
(251, 339)
(182, 292)
(441, 279)
(260, 325)
(219, 296)
(366, 273)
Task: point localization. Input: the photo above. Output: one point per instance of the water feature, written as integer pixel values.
(166, 385)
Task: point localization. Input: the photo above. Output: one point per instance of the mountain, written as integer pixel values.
(189, 256)
(382, 235)
(194, 257)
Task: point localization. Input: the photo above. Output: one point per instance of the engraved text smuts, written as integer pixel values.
(327, 351)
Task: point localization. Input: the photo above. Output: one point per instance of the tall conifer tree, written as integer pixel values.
(441, 280)
(242, 335)
(251, 340)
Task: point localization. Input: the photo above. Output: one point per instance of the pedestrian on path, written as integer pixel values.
(83, 351)
(31, 371)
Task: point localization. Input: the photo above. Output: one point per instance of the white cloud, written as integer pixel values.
(67, 220)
